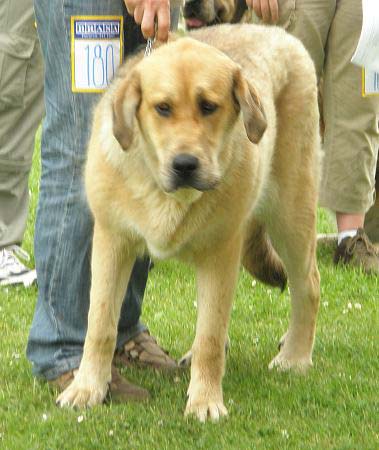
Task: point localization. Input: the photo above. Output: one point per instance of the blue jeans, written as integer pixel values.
(64, 226)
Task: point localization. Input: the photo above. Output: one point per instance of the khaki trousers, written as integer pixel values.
(330, 31)
(21, 110)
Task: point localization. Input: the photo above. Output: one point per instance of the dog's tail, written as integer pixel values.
(260, 258)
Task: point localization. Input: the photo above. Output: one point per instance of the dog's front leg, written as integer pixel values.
(111, 268)
(216, 280)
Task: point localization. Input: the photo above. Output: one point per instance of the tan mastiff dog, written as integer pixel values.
(206, 152)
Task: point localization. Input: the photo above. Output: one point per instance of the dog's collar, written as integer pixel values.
(241, 7)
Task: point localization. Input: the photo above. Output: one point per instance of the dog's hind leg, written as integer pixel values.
(298, 249)
(260, 259)
(291, 220)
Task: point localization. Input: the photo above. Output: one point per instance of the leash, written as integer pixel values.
(150, 42)
(149, 47)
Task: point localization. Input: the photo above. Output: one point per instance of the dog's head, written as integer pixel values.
(199, 13)
(179, 106)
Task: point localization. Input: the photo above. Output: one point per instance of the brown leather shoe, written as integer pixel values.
(120, 389)
(359, 252)
(143, 351)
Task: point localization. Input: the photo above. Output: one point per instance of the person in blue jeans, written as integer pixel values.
(82, 43)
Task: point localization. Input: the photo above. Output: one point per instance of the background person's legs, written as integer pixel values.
(351, 132)
(21, 110)
(351, 139)
(330, 30)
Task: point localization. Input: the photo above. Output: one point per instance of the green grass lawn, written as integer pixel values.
(335, 406)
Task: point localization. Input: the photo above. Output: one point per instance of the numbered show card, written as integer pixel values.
(96, 51)
(370, 82)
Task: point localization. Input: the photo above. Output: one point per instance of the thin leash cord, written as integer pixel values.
(150, 42)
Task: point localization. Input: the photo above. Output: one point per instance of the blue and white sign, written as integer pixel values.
(96, 51)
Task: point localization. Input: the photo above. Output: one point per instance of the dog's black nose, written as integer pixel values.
(185, 165)
(191, 8)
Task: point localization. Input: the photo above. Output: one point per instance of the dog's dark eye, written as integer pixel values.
(163, 109)
(207, 107)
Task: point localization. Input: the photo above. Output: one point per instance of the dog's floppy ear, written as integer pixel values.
(247, 100)
(126, 101)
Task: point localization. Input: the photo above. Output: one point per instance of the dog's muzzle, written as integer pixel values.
(192, 14)
(184, 170)
(185, 173)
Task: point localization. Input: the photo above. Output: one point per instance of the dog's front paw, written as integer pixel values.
(286, 361)
(204, 409)
(82, 395)
(205, 403)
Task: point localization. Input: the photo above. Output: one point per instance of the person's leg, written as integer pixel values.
(351, 138)
(310, 22)
(64, 225)
(21, 110)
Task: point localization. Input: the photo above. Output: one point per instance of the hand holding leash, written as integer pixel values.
(148, 12)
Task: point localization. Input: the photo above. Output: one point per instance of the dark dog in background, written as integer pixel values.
(200, 13)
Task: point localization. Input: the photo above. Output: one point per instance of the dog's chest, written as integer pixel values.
(168, 227)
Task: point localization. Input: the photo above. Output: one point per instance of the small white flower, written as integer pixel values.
(110, 433)
(285, 434)
(44, 417)
(357, 306)
(344, 311)
(195, 304)
(326, 304)
(80, 419)
(349, 305)
(16, 355)
(254, 283)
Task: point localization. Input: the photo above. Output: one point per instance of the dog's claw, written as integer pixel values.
(203, 411)
(185, 360)
(281, 342)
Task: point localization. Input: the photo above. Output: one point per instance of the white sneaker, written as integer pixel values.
(12, 270)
